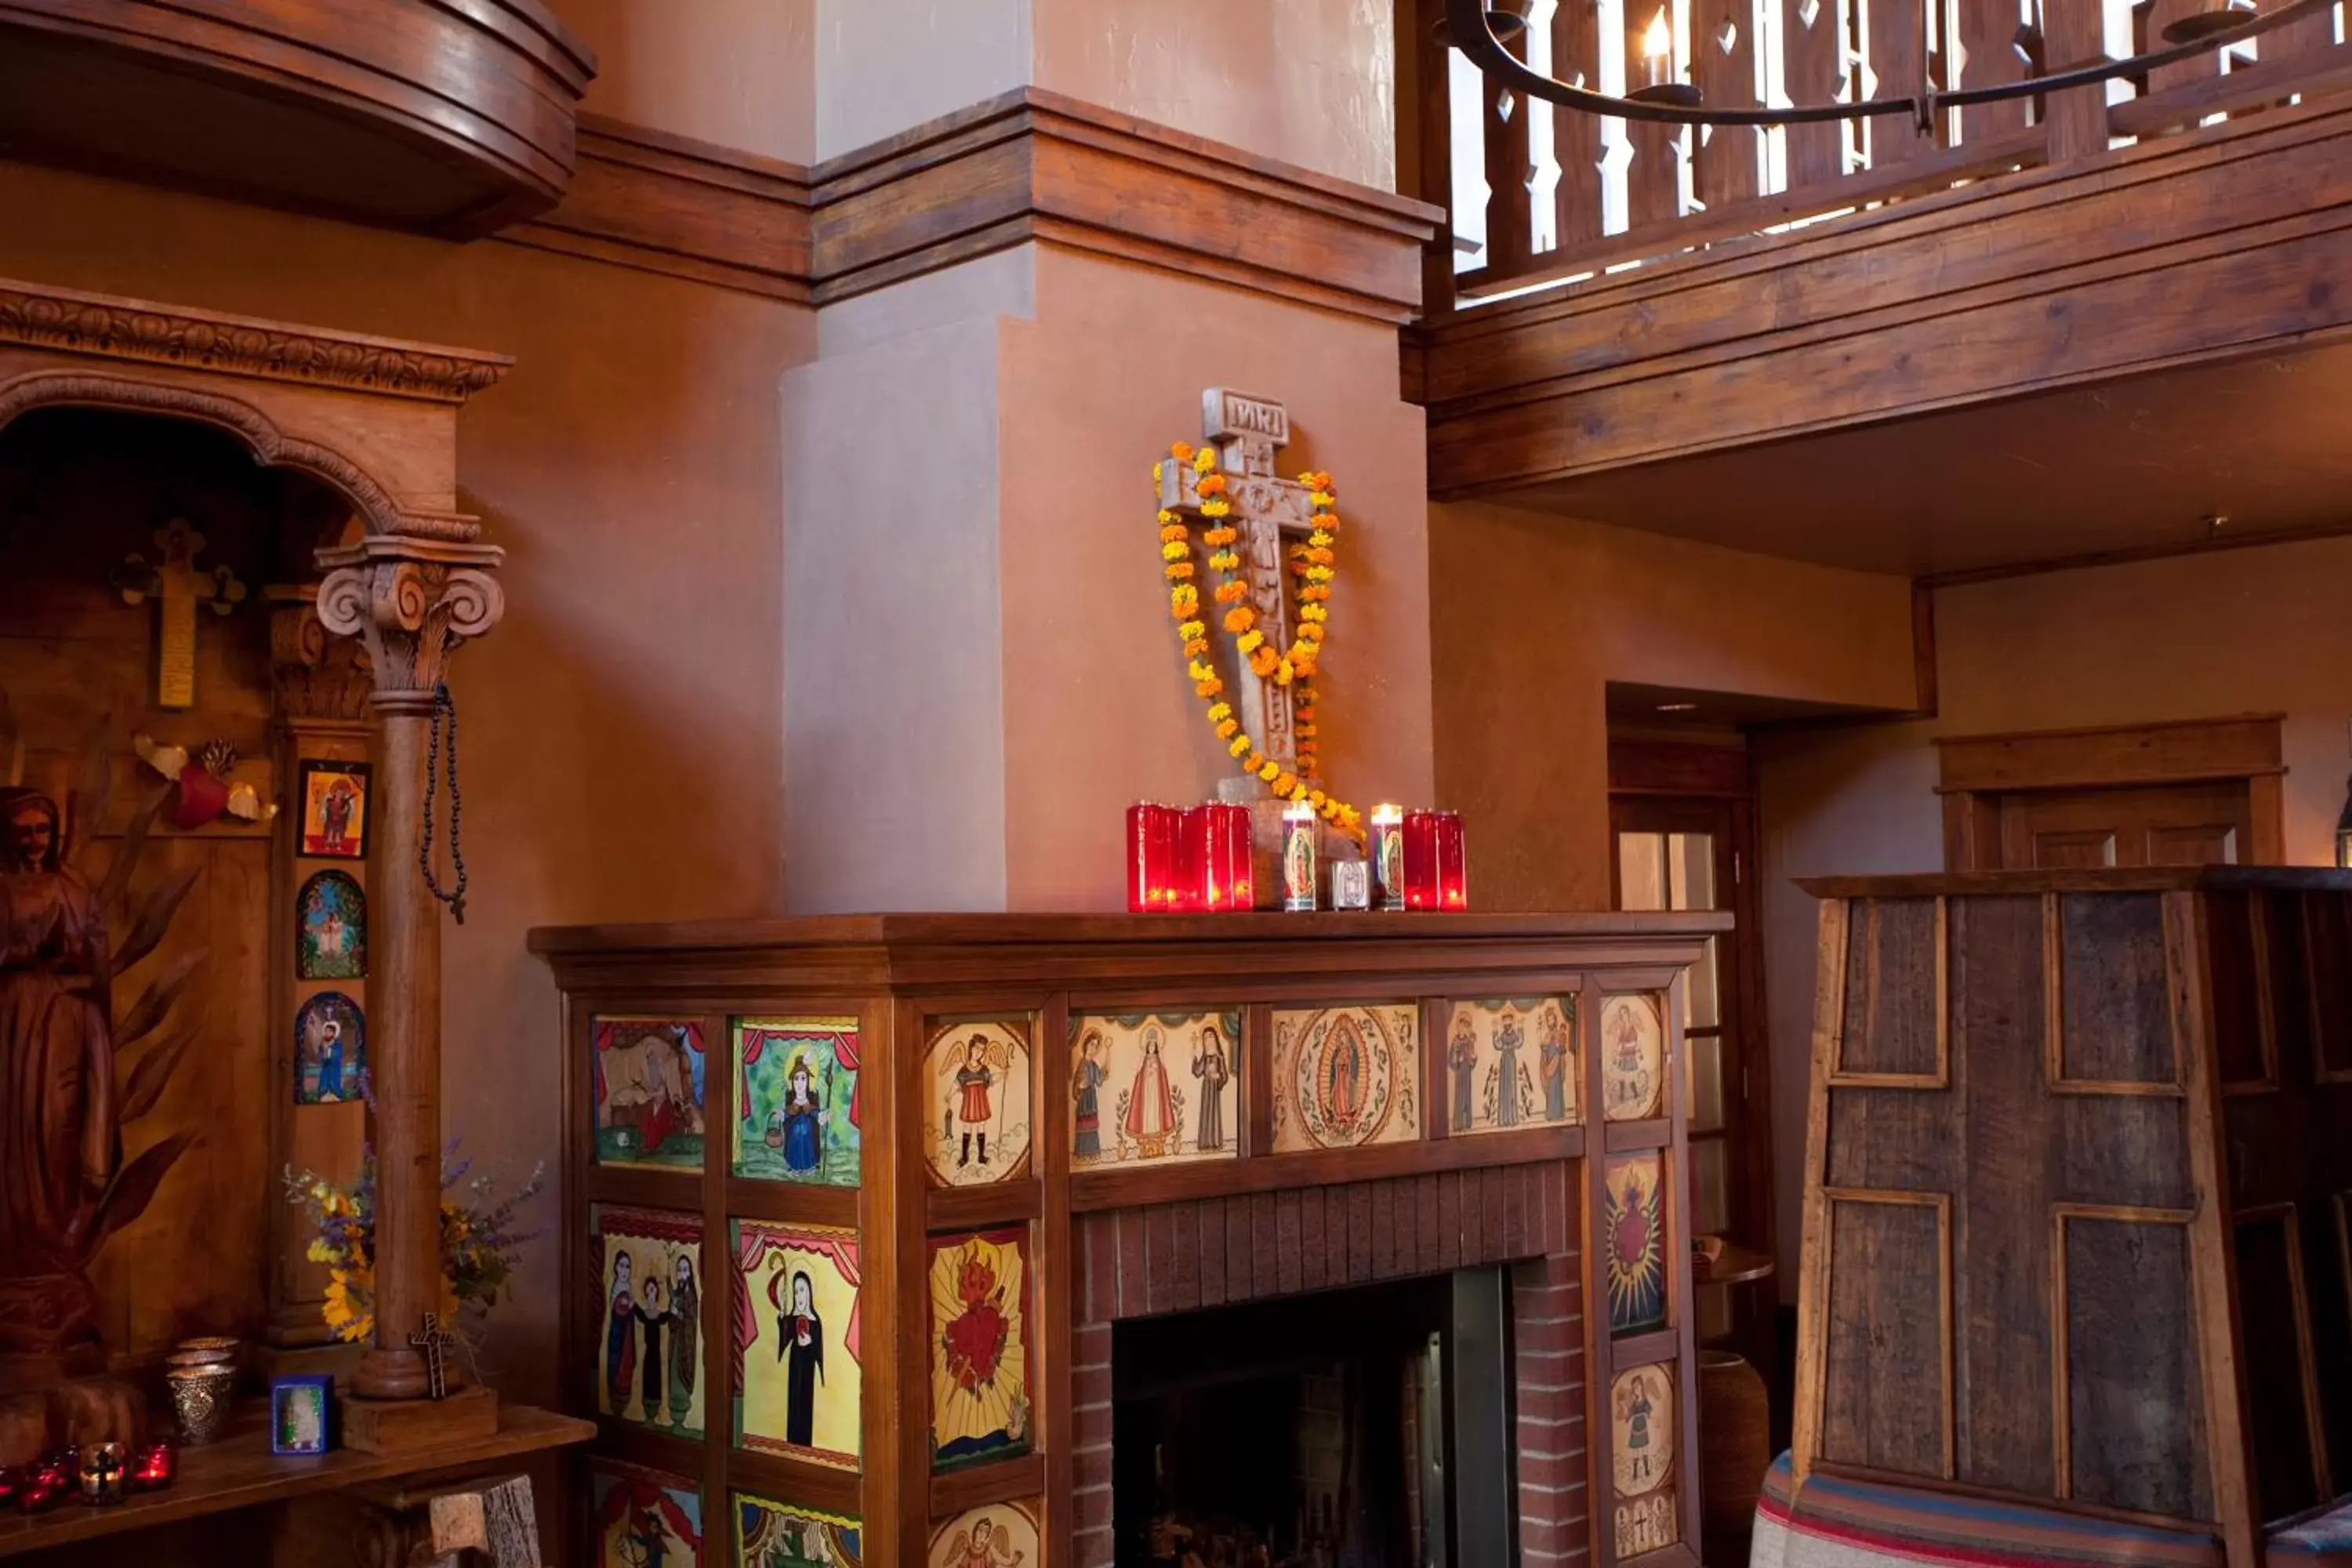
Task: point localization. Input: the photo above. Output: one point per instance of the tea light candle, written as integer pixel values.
(1298, 859)
(156, 1467)
(1388, 855)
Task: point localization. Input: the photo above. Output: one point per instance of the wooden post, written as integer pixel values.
(412, 599)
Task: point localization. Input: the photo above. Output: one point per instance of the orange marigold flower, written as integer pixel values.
(1229, 592)
(1208, 688)
(1181, 452)
(1263, 662)
(1240, 618)
(1225, 727)
(1180, 572)
(1212, 484)
(1175, 533)
(1284, 783)
(1195, 647)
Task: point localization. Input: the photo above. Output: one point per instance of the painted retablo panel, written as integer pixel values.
(1511, 1064)
(330, 928)
(780, 1535)
(330, 1050)
(1642, 1456)
(1633, 1059)
(1001, 1535)
(1155, 1087)
(796, 1104)
(1633, 1228)
(797, 1342)
(1344, 1077)
(644, 1518)
(976, 1116)
(979, 1347)
(650, 1343)
(648, 1081)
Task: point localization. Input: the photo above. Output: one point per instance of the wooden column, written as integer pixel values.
(412, 599)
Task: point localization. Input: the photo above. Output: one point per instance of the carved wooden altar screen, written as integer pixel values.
(856, 1207)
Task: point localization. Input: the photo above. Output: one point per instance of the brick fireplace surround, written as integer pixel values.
(1221, 1251)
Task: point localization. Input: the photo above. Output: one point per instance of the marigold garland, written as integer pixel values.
(1314, 564)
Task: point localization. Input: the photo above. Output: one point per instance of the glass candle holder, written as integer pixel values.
(47, 1484)
(1187, 883)
(1453, 865)
(155, 1466)
(1238, 853)
(1418, 855)
(101, 1473)
(1388, 856)
(1298, 870)
(1152, 833)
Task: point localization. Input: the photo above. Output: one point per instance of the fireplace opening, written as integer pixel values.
(1315, 1431)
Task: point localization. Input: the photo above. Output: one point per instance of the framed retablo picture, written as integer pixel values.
(796, 1105)
(650, 1336)
(798, 1355)
(330, 1050)
(1641, 1456)
(1155, 1087)
(1344, 1077)
(649, 1084)
(301, 1410)
(976, 1110)
(330, 928)
(1001, 1535)
(1632, 1229)
(335, 807)
(642, 1518)
(980, 1398)
(781, 1535)
(1510, 1063)
(1633, 1059)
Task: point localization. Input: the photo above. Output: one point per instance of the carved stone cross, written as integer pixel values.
(433, 1342)
(176, 583)
(1269, 514)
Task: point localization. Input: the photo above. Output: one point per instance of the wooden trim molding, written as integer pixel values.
(2112, 756)
(1029, 167)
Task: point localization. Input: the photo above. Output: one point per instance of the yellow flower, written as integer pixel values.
(1240, 744)
(1320, 498)
(1283, 673)
(1218, 508)
(1205, 460)
(1183, 601)
(1249, 641)
(1223, 711)
(1155, 478)
(1270, 771)
(1174, 550)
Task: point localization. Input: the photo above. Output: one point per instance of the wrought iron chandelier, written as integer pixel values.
(1479, 28)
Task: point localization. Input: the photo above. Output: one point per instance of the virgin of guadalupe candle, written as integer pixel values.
(1298, 859)
(1388, 855)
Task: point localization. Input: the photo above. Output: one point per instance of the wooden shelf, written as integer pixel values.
(239, 1471)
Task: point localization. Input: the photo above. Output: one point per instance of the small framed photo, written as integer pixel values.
(335, 809)
(301, 1412)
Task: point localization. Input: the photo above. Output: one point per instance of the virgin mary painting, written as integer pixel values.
(1151, 1103)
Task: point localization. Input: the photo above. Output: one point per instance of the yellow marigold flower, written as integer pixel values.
(1216, 509)
(1199, 671)
(1319, 539)
(1225, 561)
(1222, 710)
(1250, 641)
(1240, 618)
(1270, 771)
(1318, 573)
(1205, 460)
(1316, 797)
(1311, 632)
(1283, 673)
(1192, 629)
(1240, 744)
(1181, 452)
(1321, 498)
(1174, 550)
(1225, 727)
(1156, 476)
(1183, 601)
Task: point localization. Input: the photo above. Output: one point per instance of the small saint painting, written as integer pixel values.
(796, 1104)
(1510, 1064)
(330, 928)
(1155, 1086)
(979, 1347)
(650, 1343)
(648, 1082)
(1633, 1226)
(330, 1050)
(797, 1348)
(1633, 1059)
(643, 1518)
(976, 1116)
(779, 1535)
(299, 1411)
(1642, 1455)
(1001, 1535)
(1344, 1077)
(334, 809)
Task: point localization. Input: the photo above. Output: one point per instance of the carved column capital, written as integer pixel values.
(412, 602)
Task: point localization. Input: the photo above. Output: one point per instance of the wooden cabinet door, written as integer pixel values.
(2175, 825)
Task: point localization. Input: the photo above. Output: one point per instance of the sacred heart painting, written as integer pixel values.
(1642, 1453)
(1001, 1535)
(796, 1104)
(1344, 1077)
(797, 1347)
(648, 1081)
(334, 809)
(979, 1347)
(330, 1050)
(644, 1519)
(1632, 1224)
(1633, 1059)
(1510, 1064)
(777, 1536)
(976, 1114)
(1155, 1087)
(330, 928)
(650, 1336)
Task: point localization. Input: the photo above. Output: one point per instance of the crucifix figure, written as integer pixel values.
(177, 584)
(433, 1341)
(1270, 514)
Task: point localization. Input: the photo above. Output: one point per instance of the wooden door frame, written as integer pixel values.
(1976, 771)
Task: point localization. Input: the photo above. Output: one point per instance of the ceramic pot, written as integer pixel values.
(200, 1400)
(1735, 1441)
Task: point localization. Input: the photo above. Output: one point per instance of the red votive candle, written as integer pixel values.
(1420, 860)
(1453, 868)
(47, 1484)
(1233, 846)
(155, 1466)
(1150, 858)
(1189, 883)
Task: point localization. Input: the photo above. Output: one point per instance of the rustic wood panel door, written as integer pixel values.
(2181, 824)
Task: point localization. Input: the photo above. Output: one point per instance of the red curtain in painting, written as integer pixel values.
(756, 1242)
(845, 1051)
(629, 1493)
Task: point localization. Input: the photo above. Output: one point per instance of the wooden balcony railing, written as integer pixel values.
(1544, 196)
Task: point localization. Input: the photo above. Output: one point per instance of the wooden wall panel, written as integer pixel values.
(2116, 1006)
(1886, 1392)
(2270, 1299)
(2328, 936)
(2240, 1038)
(1893, 1026)
(2135, 1411)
